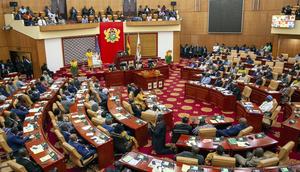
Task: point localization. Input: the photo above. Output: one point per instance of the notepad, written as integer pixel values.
(89, 134)
(134, 162)
(213, 121)
(185, 168)
(45, 158)
(86, 127)
(207, 140)
(127, 158)
(37, 149)
(28, 128)
(34, 110)
(242, 144)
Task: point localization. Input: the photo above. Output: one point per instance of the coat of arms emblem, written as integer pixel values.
(112, 35)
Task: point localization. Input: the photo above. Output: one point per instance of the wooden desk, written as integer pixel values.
(288, 131)
(208, 144)
(148, 83)
(226, 121)
(188, 73)
(259, 94)
(140, 131)
(254, 119)
(202, 144)
(211, 95)
(115, 78)
(144, 165)
(79, 119)
(56, 161)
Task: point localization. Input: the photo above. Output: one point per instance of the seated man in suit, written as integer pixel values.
(205, 79)
(267, 105)
(252, 158)
(233, 130)
(202, 124)
(66, 103)
(181, 128)
(84, 150)
(15, 140)
(236, 91)
(218, 82)
(219, 151)
(24, 159)
(193, 154)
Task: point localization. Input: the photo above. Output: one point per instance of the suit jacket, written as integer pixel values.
(28, 164)
(82, 150)
(159, 137)
(180, 129)
(253, 161)
(15, 142)
(232, 131)
(191, 155)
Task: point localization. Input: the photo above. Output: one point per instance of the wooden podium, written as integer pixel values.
(149, 82)
(123, 57)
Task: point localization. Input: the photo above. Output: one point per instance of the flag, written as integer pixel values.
(138, 48)
(111, 40)
(128, 49)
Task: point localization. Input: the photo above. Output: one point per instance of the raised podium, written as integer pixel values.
(149, 79)
(123, 57)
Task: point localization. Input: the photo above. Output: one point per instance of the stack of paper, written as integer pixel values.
(127, 158)
(37, 149)
(28, 128)
(45, 158)
(86, 127)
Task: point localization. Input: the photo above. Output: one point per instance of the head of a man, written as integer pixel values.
(258, 152)
(243, 121)
(220, 150)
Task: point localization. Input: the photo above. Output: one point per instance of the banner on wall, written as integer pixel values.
(111, 40)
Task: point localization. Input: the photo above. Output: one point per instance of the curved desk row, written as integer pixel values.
(224, 101)
(146, 163)
(39, 148)
(136, 125)
(86, 129)
(291, 125)
(231, 145)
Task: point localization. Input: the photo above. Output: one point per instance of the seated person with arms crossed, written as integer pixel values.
(233, 130)
(252, 158)
(84, 150)
(193, 154)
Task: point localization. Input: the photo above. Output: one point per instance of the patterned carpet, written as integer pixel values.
(172, 95)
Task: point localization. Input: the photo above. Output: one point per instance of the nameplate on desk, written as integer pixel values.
(45, 158)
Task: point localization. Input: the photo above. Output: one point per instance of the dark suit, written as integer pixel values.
(159, 139)
(191, 155)
(28, 164)
(83, 150)
(121, 144)
(15, 142)
(180, 129)
(232, 131)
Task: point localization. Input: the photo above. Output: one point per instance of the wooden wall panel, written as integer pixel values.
(289, 44)
(148, 42)
(176, 47)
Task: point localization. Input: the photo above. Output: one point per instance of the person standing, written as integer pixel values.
(89, 55)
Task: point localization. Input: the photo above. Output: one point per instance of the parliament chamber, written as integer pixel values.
(152, 86)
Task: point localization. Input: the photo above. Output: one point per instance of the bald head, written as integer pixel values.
(73, 137)
(243, 121)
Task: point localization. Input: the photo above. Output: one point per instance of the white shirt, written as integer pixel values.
(266, 106)
(22, 10)
(42, 22)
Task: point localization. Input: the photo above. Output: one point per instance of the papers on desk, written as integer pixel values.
(97, 140)
(154, 163)
(29, 118)
(207, 140)
(191, 143)
(215, 121)
(77, 121)
(37, 149)
(4, 106)
(273, 91)
(45, 158)
(127, 158)
(193, 168)
(119, 116)
(90, 134)
(242, 144)
(75, 116)
(35, 110)
(254, 111)
(28, 128)
(24, 87)
(86, 127)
